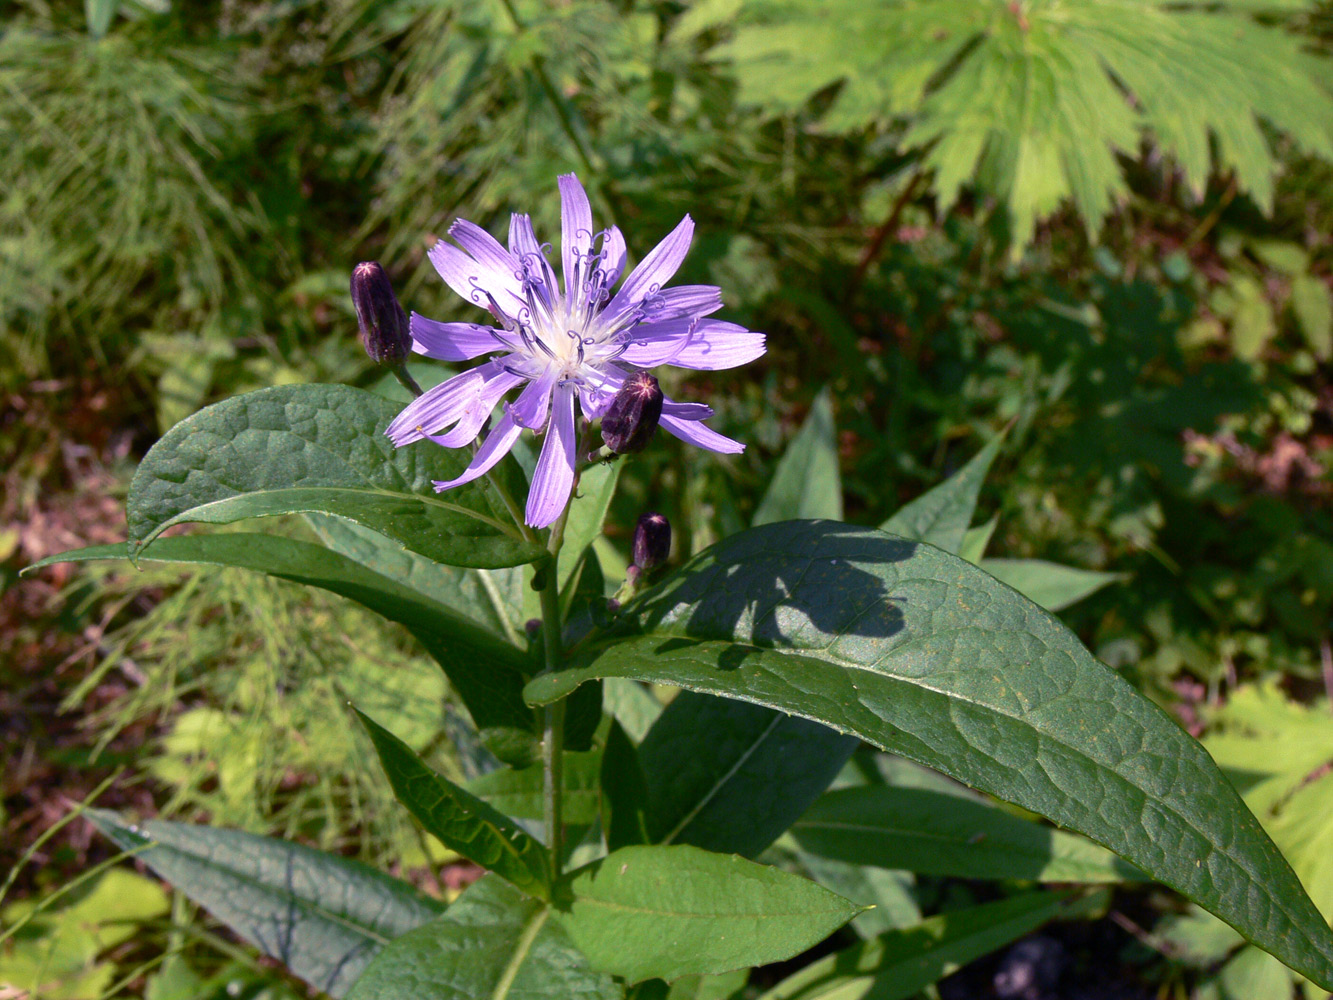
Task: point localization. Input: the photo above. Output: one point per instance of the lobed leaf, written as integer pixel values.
(322, 916)
(321, 448)
(925, 655)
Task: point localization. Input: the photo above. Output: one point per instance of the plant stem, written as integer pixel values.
(553, 729)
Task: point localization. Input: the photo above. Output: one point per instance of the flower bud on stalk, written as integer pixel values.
(384, 326)
(652, 541)
(629, 423)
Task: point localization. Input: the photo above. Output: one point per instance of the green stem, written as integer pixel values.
(553, 729)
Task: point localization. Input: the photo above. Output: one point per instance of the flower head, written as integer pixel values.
(560, 347)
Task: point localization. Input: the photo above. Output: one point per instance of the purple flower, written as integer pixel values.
(580, 345)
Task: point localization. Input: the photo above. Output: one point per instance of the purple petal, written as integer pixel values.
(534, 402)
(485, 249)
(616, 255)
(686, 411)
(455, 341)
(437, 408)
(575, 226)
(472, 280)
(707, 344)
(553, 479)
(477, 411)
(656, 269)
(695, 433)
(495, 447)
(687, 301)
(524, 246)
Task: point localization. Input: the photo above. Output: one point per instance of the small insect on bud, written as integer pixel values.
(629, 423)
(384, 327)
(652, 541)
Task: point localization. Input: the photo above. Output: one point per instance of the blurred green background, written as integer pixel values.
(1105, 224)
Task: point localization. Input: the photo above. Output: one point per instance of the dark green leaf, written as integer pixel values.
(460, 820)
(1051, 585)
(492, 598)
(493, 944)
(901, 963)
(486, 672)
(301, 448)
(925, 655)
(322, 916)
(941, 515)
(728, 776)
(625, 791)
(806, 482)
(939, 834)
(519, 792)
(666, 912)
(587, 512)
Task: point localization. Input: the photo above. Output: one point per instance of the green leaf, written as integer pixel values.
(1051, 585)
(519, 792)
(976, 539)
(493, 943)
(491, 598)
(633, 706)
(889, 893)
(1312, 302)
(1032, 104)
(587, 513)
(487, 673)
(806, 482)
(301, 448)
(666, 912)
(935, 833)
(460, 820)
(925, 655)
(99, 14)
(722, 987)
(941, 515)
(625, 792)
(730, 777)
(322, 916)
(901, 963)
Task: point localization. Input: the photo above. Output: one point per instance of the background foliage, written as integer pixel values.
(1104, 225)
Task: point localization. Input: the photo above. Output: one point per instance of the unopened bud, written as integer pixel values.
(629, 423)
(384, 327)
(652, 541)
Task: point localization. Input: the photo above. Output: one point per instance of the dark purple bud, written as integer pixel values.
(629, 423)
(652, 541)
(384, 328)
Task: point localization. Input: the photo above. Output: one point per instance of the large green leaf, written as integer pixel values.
(486, 672)
(1049, 584)
(730, 777)
(900, 963)
(300, 448)
(492, 598)
(322, 916)
(667, 912)
(460, 820)
(940, 834)
(806, 482)
(494, 943)
(1033, 102)
(925, 655)
(941, 515)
